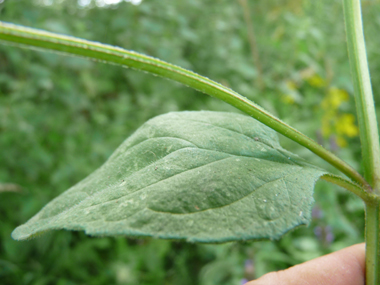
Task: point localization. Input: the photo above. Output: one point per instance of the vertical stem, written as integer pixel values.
(372, 239)
(365, 106)
(369, 134)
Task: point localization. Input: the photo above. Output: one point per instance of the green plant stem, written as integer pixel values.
(33, 38)
(372, 239)
(369, 134)
(365, 106)
(352, 187)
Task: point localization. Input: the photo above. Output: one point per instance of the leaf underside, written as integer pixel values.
(199, 176)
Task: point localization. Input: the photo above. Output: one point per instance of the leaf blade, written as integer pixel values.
(199, 176)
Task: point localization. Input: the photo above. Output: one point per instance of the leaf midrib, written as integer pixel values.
(200, 211)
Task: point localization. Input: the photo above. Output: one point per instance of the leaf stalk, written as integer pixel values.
(33, 38)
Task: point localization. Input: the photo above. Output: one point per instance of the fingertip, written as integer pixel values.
(343, 267)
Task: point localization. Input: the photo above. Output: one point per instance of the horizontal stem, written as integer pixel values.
(105, 53)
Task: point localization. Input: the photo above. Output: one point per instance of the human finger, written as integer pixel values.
(343, 267)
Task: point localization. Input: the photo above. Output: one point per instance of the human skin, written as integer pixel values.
(343, 267)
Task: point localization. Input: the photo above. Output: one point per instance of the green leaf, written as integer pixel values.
(8, 187)
(34, 38)
(200, 176)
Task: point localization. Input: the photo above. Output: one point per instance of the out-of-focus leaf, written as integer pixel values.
(8, 187)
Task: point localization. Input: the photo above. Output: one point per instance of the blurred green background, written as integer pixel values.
(62, 117)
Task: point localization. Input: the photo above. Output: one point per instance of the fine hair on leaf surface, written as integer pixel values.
(200, 176)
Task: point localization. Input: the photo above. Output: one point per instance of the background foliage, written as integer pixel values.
(61, 117)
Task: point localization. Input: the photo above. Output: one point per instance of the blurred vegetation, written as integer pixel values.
(61, 117)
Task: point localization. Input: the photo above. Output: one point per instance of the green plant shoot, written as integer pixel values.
(209, 176)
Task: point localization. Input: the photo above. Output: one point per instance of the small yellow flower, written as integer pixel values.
(333, 121)
(334, 98)
(337, 97)
(316, 81)
(291, 85)
(341, 142)
(345, 125)
(287, 99)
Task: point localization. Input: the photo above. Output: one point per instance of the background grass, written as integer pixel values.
(61, 118)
